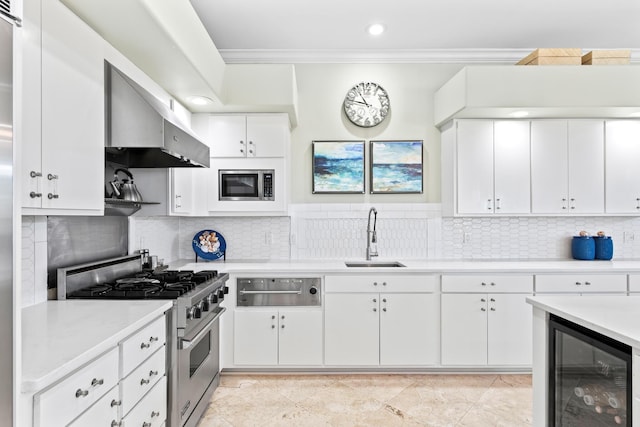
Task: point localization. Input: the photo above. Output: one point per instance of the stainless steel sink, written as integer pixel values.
(374, 264)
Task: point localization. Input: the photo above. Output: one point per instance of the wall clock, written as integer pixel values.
(366, 104)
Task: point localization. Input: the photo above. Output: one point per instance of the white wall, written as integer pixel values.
(321, 90)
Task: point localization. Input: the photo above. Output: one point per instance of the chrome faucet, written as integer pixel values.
(371, 235)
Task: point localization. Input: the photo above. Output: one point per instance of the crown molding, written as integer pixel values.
(387, 56)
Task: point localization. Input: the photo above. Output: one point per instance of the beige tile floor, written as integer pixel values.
(371, 400)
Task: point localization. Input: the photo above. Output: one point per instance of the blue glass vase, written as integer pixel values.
(583, 247)
(604, 247)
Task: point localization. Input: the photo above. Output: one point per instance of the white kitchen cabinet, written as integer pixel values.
(251, 135)
(492, 167)
(381, 320)
(62, 114)
(567, 166)
(268, 336)
(486, 320)
(582, 284)
(622, 154)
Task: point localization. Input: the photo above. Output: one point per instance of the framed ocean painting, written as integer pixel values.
(338, 167)
(396, 166)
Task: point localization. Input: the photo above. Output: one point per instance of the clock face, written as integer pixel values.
(366, 104)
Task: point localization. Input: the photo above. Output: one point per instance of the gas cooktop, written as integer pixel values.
(167, 284)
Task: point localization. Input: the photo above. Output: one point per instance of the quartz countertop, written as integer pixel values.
(413, 266)
(617, 317)
(60, 336)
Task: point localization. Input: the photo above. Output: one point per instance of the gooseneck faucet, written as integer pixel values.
(371, 234)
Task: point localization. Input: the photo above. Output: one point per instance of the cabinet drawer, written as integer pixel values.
(105, 410)
(77, 392)
(142, 379)
(382, 283)
(142, 344)
(151, 411)
(488, 283)
(581, 283)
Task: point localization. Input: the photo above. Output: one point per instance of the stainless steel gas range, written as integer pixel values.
(193, 327)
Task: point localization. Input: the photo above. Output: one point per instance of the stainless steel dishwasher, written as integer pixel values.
(278, 291)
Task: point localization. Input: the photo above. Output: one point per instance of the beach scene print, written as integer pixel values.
(338, 167)
(396, 166)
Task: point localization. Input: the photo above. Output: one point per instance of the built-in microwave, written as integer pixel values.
(246, 184)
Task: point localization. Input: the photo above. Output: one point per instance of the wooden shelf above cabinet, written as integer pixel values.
(560, 91)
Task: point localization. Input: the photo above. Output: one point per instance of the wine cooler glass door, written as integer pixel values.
(590, 378)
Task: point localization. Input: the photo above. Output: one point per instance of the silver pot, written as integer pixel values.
(125, 189)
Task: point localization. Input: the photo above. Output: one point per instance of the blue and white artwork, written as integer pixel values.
(396, 166)
(338, 167)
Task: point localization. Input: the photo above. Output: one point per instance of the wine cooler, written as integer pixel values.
(589, 377)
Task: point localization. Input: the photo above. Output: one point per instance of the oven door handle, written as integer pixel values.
(245, 292)
(184, 344)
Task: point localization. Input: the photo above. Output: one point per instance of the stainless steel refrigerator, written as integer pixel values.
(7, 326)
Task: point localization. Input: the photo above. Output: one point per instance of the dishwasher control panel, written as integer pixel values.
(278, 291)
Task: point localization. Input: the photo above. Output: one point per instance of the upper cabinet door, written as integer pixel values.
(512, 167)
(227, 136)
(622, 154)
(475, 166)
(586, 166)
(267, 135)
(549, 167)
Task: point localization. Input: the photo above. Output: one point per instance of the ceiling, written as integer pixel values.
(263, 31)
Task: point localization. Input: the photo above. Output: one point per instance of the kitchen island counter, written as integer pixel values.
(617, 317)
(60, 336)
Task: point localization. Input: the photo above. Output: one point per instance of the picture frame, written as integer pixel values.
(338, 167)
(396, 166)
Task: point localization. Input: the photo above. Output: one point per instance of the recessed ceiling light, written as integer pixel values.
(519, 114)
(200, 100)
(376, 29)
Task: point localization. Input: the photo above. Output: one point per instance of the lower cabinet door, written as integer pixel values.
(351, 329)
(151, 411)
(103, 412)
(409, 329)
(464, 329)
(510, 330)
(300, 337)
(255, 337)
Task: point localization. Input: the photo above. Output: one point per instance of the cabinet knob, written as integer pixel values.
(375, 309)
(144, 345)
(384, 300)
(144, 381)
(153, 373)
(384, 309)
(52, 196)
(384, 283)
(146, 424)
(273, 317)
(273, 326)
(34, 174)
(493, 284)
(375, 283)
(282, 326)
(153, 339)
(115, 423)
(96, 382)
(483, 300)
(81, 393)
(483, 284)
(33, 194)
(115, 403)
(155, 414)
(375, 300)
(493, 309)
(483, 309)
(587, 283)
(578, 283)
(282, 316)
(51, 177)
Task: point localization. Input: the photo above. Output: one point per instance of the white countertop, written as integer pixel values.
(414, 266)
(617, 317)
(60, 336)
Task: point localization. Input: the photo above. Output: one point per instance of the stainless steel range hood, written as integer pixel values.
(142, 132)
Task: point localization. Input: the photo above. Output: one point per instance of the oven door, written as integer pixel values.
(239, 185)
(198, 367)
